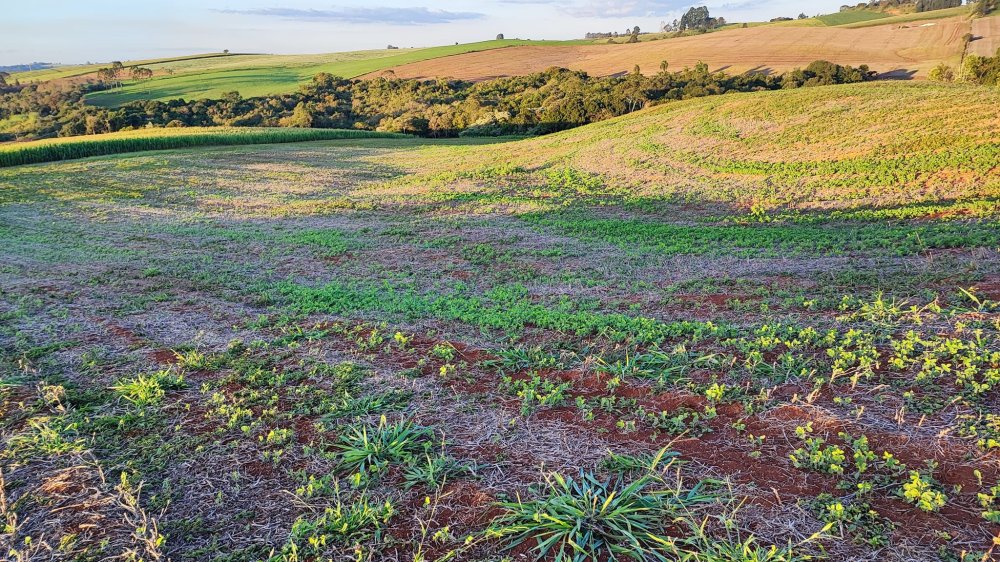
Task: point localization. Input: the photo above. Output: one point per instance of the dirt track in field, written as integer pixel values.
(903, 49)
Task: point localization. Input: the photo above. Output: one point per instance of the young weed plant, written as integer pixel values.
(367, 451)
(592, 519)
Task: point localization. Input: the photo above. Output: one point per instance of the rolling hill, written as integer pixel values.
(903, 49)
(261, 75)
(889, 143)
(904, 46)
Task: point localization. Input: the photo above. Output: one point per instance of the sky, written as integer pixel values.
(77, 31)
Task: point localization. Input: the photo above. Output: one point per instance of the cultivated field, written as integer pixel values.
(903, 49)
(986, 33)
(754, 327)
(907, 45)
(262, 75)
(915, 17)
(75, 70)
(69, 148)
(851, 17)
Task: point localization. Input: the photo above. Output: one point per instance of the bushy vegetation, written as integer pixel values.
(586, 518)
(982, 70)
(975, 69)
(539, 103)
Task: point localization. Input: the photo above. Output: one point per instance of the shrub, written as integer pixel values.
(942, 73)
(365, 450)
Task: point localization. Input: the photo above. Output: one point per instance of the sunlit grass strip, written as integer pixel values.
(770, 240)
(163, 139)
(505, 308)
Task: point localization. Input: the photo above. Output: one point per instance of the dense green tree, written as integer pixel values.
(301, 117)
(699, 19)
(931, 5)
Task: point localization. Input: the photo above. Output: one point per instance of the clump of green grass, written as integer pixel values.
(591, 519)
(536, 392)
(368, 451)
(45, 437)
(344, 523)
(149, 390)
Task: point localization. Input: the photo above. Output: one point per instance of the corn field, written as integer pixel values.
(161, 139)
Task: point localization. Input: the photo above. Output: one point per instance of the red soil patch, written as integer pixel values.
(305, 431)
(258, 469)
(989, 288)
(162, 357)
(125, 334)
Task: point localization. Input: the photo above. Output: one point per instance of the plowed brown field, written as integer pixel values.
(903, 49)
(987, 34)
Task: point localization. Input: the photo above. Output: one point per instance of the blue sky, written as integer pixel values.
(74, 31)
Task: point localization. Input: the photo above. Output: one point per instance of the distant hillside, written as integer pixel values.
(902, 49)
(903, 45)
(26, 67)
(261, 75)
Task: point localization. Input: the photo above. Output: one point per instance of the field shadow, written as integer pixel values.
(897, 74)
(765, 70)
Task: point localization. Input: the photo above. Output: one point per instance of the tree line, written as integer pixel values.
(535, 104)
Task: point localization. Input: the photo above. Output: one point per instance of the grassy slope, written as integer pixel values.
(259, 75)
(907, 18)
(854, 19)
(843, 146)
(73, 70)
(851, 16)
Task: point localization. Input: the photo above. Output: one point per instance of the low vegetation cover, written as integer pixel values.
(161, 139)
(540, 103)
(212, 74)
(903, 6)
(743, 328)
(851, 17)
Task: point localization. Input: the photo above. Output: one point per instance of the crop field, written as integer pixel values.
(987, 36)
(851, 16)
(961, 11)
(755, 327)
(912, 50)
(74, 70)
(262, 75)
(71, 148)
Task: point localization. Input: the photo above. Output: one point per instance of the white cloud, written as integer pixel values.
(358, 15)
